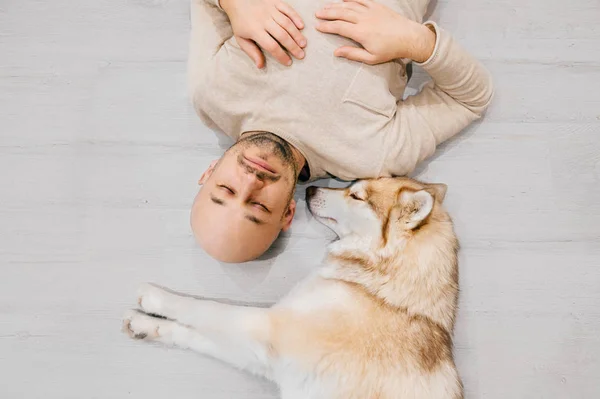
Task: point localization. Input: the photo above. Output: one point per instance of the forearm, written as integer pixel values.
(459, 94)
(456, 72)
(210, 29)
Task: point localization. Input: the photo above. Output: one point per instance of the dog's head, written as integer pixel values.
(377, 210)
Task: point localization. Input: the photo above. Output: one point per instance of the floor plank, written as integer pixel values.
(99, 157)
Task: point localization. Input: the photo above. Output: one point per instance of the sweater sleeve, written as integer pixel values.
(460, 92)
(210, 30)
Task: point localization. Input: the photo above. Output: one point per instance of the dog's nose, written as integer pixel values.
(311, 191)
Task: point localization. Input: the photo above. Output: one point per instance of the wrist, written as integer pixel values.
(424, 43)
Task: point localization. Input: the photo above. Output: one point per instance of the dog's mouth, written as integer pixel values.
(311, 207)
(324, 218)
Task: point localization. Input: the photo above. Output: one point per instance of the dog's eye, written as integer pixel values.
(356, 197)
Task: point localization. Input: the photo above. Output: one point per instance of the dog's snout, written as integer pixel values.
(311, 191)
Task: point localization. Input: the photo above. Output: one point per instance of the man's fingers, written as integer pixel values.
(341, 28)
(272, 47)
(291, 30)
(283, 37)
(252, 50)
(347, 6)
(291, 14)
(366, 3)
(355, 54)
(338, 13)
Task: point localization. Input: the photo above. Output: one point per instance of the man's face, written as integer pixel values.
(246, 198)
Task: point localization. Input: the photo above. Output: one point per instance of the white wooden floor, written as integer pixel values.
(100, 152)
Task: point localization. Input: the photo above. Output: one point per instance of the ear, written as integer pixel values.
(206, 175)
(438, 191)
(288, 217)
(415, 206)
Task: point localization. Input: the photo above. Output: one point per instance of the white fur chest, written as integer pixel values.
(316, 293)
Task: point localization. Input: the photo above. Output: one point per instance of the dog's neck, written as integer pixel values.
(397, 273)
(354, 243)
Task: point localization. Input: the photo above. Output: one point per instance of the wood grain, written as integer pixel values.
(99, 158)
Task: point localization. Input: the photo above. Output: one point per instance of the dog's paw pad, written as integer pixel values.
(150, 299)
(140, 326)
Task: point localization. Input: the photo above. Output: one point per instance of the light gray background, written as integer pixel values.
(99, 157)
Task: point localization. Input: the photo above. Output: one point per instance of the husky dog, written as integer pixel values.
(374, 321)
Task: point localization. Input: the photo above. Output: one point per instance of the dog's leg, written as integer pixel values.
(235, 334)
(139, 325)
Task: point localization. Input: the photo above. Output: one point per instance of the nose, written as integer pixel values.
(311, 191)
(253, 182)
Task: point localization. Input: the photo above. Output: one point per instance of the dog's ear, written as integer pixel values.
(438, 190)
(412, 208)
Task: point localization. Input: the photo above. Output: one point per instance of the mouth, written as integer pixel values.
(324, 218)
(332, 220)
(260, 165)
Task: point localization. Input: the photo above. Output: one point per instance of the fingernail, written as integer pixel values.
(288, 63)
(301, 54)
(302, 42)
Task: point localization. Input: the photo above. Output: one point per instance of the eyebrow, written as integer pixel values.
(251, 218)
(217, 200)
(254, 219)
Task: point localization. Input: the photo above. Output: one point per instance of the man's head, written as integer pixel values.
(246, 198)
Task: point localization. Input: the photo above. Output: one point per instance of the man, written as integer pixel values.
(336, 110)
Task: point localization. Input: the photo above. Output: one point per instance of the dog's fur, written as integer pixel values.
(375, 321)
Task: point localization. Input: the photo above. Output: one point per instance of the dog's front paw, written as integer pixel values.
(151, 299)
(140, 326)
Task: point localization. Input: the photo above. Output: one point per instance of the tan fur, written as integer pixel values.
(376, 321)
(422, 275)
(404, 301)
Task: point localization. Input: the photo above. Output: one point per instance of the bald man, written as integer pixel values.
(336, 109)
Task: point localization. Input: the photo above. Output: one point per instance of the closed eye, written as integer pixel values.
(356, 197)
(264, 208)
(226, 188)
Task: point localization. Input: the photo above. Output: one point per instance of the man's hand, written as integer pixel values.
(270, 24)
(384, 34)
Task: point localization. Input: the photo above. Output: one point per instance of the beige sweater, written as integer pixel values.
(348, 119)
